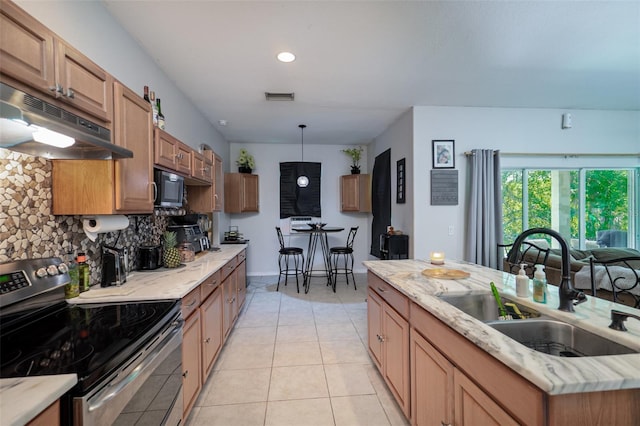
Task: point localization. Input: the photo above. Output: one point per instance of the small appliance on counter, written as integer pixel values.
(232, 236)
(115, 264)
(191, 233)
(149, 257)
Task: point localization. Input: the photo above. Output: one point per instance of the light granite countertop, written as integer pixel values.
(552, 374)
(163, 283)
(23, 398)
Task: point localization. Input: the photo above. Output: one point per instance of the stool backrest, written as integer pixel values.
(351, 236)
(280, 237)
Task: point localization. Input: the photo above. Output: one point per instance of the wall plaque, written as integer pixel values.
(444, 187)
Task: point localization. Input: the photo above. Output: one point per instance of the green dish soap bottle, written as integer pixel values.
(72, 289)
(539, 285)
(84, 274)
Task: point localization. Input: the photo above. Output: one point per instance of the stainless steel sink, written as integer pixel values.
(559, 338)
(483, 306)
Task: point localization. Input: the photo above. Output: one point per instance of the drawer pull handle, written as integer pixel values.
(191, 304)
(213, 282)
(207, 340)
(381, 290)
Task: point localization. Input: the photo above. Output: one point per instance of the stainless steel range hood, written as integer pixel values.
(21, 115)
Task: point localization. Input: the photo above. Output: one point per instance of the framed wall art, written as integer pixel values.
(443, 154)
(401, 181)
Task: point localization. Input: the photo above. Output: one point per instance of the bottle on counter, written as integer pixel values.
(539, 285)
(72, 289)
(522, 282)
(161, 122)
(154, 108)
(84, 273)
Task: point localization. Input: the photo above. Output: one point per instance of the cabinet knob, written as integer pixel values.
(57, 88)
(185, 374)
(71, 94)
(207, 340)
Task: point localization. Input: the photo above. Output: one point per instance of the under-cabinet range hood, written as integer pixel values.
(35, 127)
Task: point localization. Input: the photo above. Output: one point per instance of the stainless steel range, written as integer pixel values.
(127, 356)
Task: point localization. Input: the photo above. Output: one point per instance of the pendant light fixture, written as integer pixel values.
(302, 181)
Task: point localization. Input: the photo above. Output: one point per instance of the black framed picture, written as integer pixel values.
(401, 172)
(443, 154)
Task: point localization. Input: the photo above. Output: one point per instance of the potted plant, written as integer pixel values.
(355, 154)
(245, 162)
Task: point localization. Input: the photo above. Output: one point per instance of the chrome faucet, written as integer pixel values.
(568, 295)
(618, 317)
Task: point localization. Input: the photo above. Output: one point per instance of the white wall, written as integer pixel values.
(259, 228)
(89, 27)
(511, 131)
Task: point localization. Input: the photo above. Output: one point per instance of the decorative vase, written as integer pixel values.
(355, 170)
(244, 169)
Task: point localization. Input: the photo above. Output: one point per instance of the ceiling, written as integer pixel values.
(360, 64)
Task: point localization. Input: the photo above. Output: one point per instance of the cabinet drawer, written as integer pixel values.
(227, 269)
(209, 284)
(241, 257)
(190, 302)
(393, 297)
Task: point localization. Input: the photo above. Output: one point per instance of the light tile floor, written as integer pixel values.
(297, 359)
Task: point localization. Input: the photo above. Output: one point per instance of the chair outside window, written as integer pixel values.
(344, 255)
(287, 255)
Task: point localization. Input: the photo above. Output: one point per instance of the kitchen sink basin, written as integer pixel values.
(559, 338)
(483, 306)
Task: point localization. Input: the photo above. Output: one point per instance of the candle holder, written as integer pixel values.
(437, 258)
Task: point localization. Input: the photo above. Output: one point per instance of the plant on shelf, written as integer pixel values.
(355, 154)
(245, 162)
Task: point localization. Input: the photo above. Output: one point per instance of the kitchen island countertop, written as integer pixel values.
(552, 374)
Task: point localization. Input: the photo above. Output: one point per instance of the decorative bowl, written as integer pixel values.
(316, 225)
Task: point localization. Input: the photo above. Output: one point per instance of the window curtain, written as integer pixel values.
(296, 201)
(484, 208)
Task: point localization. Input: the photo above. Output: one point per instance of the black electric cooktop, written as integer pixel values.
(89, 340)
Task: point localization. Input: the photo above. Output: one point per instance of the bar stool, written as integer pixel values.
(287, 253)
(346, 254)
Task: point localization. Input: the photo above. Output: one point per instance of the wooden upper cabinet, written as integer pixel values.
(355, 193)
(133, 129)
(34, 59)
(241, 194)
(202, 167)
(208, 198)
(26, 48)
(111, 186)
(171, 153)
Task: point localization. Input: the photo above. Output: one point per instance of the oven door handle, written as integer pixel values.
(131, 372)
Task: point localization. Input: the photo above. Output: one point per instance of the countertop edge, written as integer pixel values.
(18, 410)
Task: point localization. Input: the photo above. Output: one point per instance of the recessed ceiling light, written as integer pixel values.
(223, 122)
(286, 57)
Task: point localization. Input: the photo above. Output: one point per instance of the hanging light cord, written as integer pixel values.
(302, 126)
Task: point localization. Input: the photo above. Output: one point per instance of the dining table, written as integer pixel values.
(316, 234)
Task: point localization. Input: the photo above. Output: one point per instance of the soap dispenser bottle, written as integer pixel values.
(522, 282)
(539, 285)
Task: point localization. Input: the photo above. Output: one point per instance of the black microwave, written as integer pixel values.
(169, 189)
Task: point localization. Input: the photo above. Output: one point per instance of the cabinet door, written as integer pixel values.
(251, 202)
(241, 283)
(355, 193)
(84, 84)
(165, 150)
(191, 361)
(229, 294)
(218, 183)
(26, 49)
(395, 346)
(474, 407)
(133, 130)
(374, 326)
(201, 167)
(211, 311)
(431, 384)
(49, 417)
(183, 158)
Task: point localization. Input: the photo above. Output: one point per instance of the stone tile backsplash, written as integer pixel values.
(29, 230)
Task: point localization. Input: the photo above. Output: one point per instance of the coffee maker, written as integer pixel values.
(115, 264)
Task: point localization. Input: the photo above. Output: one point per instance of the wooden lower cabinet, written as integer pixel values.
(191, 361)
(230, 302)
(211, 312)
(389, 346)
(49, 417)
(241, 284)
(441, 394)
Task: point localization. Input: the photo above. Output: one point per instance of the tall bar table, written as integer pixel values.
(315, 235)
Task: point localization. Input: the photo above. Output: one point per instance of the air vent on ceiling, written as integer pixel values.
(279, 96)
